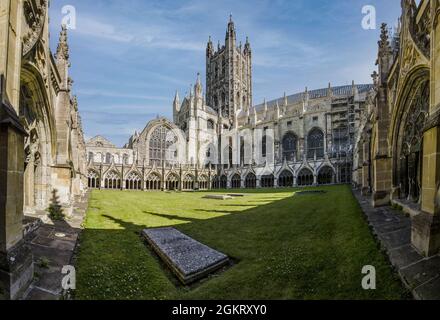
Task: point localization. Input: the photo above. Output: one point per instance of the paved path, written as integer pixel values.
(393, 230)
(53, 244)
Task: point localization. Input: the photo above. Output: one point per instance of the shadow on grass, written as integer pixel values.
(290, 248)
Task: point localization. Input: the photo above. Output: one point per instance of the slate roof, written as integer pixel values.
(340, 91)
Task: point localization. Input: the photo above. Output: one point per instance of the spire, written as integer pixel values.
(277, 111)
(63, 47)
(209, 48)
(231, 29)
(285, 99)
(247, 46)
(198, 87)
(176, 102)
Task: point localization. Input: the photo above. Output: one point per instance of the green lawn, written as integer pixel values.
(284, 246)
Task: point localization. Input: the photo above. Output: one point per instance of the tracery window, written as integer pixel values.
(305, 178)
(172, 182)
(325, 175)
(236, 181)
(163, 146)
(94, 181)
(285, 179)
(153, 182)
(315, 144)
(267, 181)
(112, 180)
(133, 182)
(289, 146)
(250, 181)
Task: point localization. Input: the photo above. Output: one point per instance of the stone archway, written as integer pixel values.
(408, 143)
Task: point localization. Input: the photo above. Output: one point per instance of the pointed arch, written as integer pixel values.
(305, 177)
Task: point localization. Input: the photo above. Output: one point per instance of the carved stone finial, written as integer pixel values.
(63, 47)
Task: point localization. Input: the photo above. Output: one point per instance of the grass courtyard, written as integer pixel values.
(284, 246)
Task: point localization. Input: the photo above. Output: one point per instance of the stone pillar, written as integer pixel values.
(16, 266)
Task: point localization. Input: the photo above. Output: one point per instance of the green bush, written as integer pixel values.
(55, 209)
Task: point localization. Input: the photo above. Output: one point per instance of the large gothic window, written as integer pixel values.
(315, 144)
(162, 146)
(411, 145)
(289, 146)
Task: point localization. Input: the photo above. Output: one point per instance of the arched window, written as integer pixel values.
(236, 181)
(162, 146)
(315, 144)
(188, 182)
(112, 180)
(285, 179)
(325, 175)
(267, 181)
(133, 182)
(153, 182)
(172, 182)
(203, 182)
(91, 157)
(340, 140)
(93, 179)
(289, 146)
(250, 181)
(108, 158)
(305, 177)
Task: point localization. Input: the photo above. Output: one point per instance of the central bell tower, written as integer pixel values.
(229, 75)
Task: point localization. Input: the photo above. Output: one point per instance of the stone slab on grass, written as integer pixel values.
(187, 258)
(218, 197)
(236, 195)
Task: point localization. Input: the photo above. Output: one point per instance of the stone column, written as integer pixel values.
(16, 266)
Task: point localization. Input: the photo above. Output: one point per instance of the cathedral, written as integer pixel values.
(219, 139)
(41, 139)
(382, 138)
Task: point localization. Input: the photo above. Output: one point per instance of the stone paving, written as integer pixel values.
(393, 230)
(52, 244)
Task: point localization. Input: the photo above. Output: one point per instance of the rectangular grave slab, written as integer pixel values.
(217, 197)
(187, 258)
(236, 194)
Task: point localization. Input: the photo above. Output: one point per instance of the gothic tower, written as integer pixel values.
(229, 75)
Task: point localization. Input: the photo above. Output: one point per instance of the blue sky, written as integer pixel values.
(130, 56)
